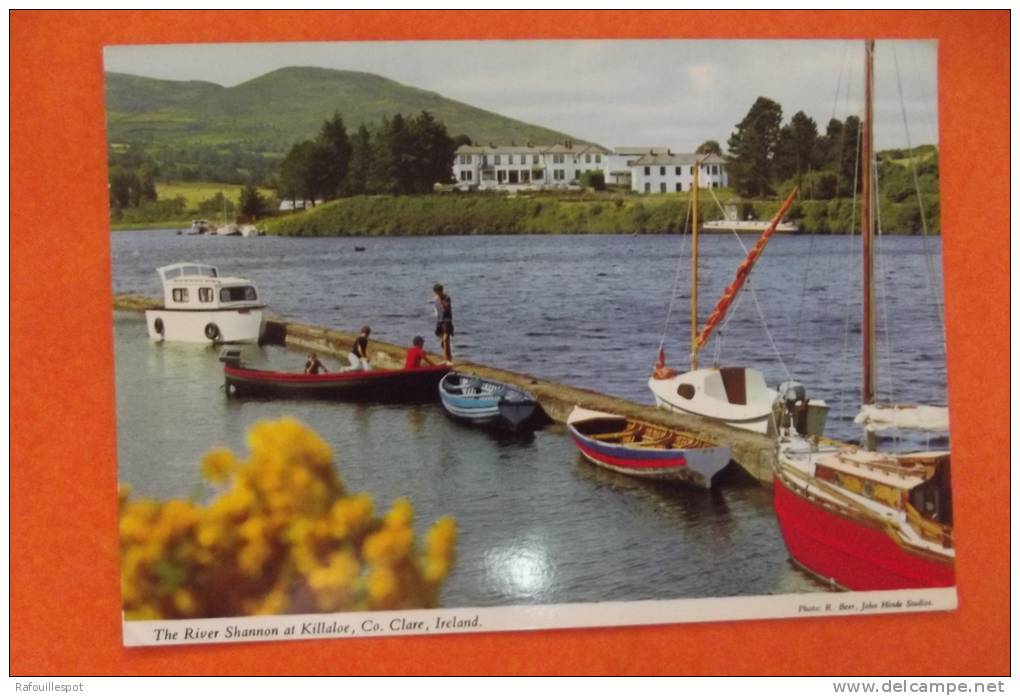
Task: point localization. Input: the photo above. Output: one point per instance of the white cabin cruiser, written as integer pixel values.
(200, 306)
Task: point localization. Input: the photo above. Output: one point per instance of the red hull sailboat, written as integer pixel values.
(855, 518)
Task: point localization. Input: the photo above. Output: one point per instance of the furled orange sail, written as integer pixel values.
(743, 271)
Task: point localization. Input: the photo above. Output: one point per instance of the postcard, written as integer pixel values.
(415, 338)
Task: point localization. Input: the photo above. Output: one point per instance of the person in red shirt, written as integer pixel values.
(416, 354)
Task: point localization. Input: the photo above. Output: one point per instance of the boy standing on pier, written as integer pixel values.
(444, 320)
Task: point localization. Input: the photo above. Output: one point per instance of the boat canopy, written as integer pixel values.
(179, 270)
(927, 418)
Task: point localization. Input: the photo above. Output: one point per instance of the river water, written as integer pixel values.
(538, 524)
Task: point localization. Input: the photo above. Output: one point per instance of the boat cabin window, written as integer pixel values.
(180, 294)
(240, 293)
(205, 295)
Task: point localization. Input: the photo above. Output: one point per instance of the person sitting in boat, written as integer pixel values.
(313, 365)
(416, 355)
(444, 320)
(358, 356)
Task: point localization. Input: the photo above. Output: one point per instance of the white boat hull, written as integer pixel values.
(703, 393)
(211, 326)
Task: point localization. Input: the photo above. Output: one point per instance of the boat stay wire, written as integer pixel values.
(676, 276)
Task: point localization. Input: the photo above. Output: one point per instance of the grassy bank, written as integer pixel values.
(557, 214)
(160, 225)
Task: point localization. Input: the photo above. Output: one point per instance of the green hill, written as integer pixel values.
(271, 112)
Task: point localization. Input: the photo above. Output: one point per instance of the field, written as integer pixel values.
(194, 192)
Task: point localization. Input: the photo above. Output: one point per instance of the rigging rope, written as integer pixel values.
(676, 275)
(930, 263)
(855, 252)
(880, 278)
(799, 321)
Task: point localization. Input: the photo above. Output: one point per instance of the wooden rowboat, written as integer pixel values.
(486, 402)
(411, 385)
(643, 449)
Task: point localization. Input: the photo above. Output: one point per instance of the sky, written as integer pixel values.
(675, 93)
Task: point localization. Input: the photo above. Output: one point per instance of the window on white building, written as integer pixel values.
(662, 187)
(648, 171)
(598, 159)
(679, 187)
(648, 187)
(465, 159)
(465, 175)
(587, 159)
(678, 172)
(662, 171)
(558, 159)
(496, 159)
(534, 159)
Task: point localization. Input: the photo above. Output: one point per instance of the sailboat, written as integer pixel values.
(737, 396)
(853, 517)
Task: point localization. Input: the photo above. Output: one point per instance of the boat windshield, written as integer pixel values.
(180, 270)
(238, 293)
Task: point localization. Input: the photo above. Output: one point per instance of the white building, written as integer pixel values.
(616, 165)
(672, 172)
(524, 167)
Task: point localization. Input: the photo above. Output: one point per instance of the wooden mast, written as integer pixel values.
(694, 266)
(868, 320)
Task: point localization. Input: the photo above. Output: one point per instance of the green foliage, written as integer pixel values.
(594, 179)
(251, 202)
(752, 149)
(402, 156)
(709, 147)
(591, 213)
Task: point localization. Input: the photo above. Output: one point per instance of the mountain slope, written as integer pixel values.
(275, 110)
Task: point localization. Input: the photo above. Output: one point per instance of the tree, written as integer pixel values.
(125, 188)
(753, 147)
(335, 156)
(360, 164)
(292, 183)
(252, 204)
(796, 150)
(432, 153)
(709, 147)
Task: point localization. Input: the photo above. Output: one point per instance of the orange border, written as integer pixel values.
(64, 582)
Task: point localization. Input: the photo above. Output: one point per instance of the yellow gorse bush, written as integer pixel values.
(284, 536)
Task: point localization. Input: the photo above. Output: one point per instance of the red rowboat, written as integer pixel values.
(411, 385)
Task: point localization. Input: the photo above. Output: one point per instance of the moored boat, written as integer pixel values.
(737, 396)
(486, 402)
(200, 306)
(404, 385)
(642, 449)
(856, 518)
(746, 226)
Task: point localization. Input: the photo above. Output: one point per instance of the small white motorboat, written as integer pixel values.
(200, 306)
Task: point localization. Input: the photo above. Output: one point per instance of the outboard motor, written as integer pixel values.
(795, 405)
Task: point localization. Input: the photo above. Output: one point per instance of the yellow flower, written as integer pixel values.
(218, 465)
(382, 585)
(184, 602)
(401, 514)
(285, 537)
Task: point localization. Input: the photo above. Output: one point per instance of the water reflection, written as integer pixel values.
(522, 571)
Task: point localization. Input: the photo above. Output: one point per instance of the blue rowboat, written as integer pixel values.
(485, 401)
(643, 449)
